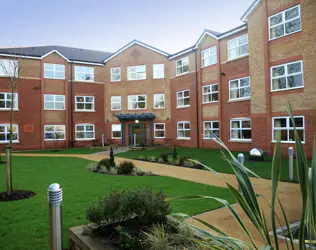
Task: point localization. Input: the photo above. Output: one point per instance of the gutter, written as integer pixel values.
(71, 109)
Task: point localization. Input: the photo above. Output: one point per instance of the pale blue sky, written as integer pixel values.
(170, 25)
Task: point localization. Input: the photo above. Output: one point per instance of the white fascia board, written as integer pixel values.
(233, 32)
(181, 53)
(16, 55)
(88, 63)
(205, 33)
(244, 18)
(55, 51)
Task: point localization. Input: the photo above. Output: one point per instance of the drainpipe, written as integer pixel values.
(71, 110)
(197, 100)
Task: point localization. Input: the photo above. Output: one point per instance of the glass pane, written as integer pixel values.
(141, 105)
(280, 123)
(60, 75)
(180, 102)
(187, 125)
(185, 68)
(48, 66)
(80, 128)
(116, 134)
(48, 74)
(89, 106)
(298, 122)
(186, 93)
(215, 97)
(277, 31)
(278, 71)
(116, 99)
(89, 128)
(89, 99)
(292, 26)
(244, 82)
(284, 135)
(89, 70)
(186, 101)
(232, 44)
(207, 98)
(48, 97)
(60, 128)
(246, 124)
(246, 134)
(235, 124)
(234, 94)
(244, 92)
(116, 106)
(235, 134)
(214, 87)
(2, 104)
(295, 81)
(49, 136)
(215, 125)
(294, 68)
(233, 84)
(59, 105)
(116, 77)
(80, 106)
(80, 135)
(232, 53)
(89, 134)
(279, 83)
(179, 63)
(160, 134)
(180, 133)
(59, 98)
(115, 70)
(60, 135)
(180, 126)
(141, 98)
(276, 19)
(79, 99)
(59, 67)
(79, 69)
(49, 128)
(289, 14)
(187, 133)
(49, 105)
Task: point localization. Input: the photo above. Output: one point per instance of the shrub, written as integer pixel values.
(106, 162)
(170, 159)
(175, 154)
(160, 160)
(177, 161)
(141, 157)
(164, 156)
(126, 168)
(188, 164)
(182, 159)
(152, 158)
(112, 157)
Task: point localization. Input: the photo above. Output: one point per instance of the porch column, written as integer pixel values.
(151, 131)
(123, 132)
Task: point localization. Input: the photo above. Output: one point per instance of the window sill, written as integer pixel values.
(113, 110)
(287, 142)
(158, 78)
(237, 58)
(116, 81)
(87, 139)
(54, 139)
(9, 110)
(5, 142)
(159, 108)
(209, 139)
(116, 138)
(137, 109)
(183, 138)
(210, 102)
(54, 109)
(183, 107)
(239, 100)
(54, 78)
(135, 80)
(273, 39)
(89, 111)
(84, 81)
(278, 90)
(185, 73)
(240, 141)
(204, 67)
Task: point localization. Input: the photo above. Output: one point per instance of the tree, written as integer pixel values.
(11, 69)
(112, 157)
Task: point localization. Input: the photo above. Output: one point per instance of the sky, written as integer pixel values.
(170, 25)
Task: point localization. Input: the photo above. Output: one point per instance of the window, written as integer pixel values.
(211, 129)
(7, 67)
(158, 71)
(115, 74)
(54, 71)
(210, 93)
(159, 130)
(287, 76)
(115, 103)
(116, 131)
(85, 132)
(84, 103)
(55, 132)
(239, 88)
(284, 125)
(136, 72)
(209, 56)
(159, 101)
(137, 102)
(182, 66)
(5, 133)
(238, 47)
(183, 130)
(84, 74)
(285, 23)
(54, 102)
(183, 98)
(6, 100)
(240, 129)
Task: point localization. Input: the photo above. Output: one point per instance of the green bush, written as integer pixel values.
(126, 168)
(170, 159)
(164, 156)
(182, 159)
(141, 157)
(188, 164)
(106, 162)
(160, 160)
(152, 158)
(177, 161)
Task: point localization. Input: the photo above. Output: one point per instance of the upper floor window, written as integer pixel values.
(240, 129)
(182, 66)
(238, 47)
(116, 131)
(55, 132)
(84, 103)
(5, 133)
(158, 71)
(209, 56)
(183, 98)
(9, 67)
(159, 101)
(136, 72)
(85, 132)
(6, 100)
(210, 93)
(285, 23)
(183, 130)
(239, 88)
(159, 130)
(137, 102)
(84, 74)
(115, 74)
(287, 76)
(54, 71)
(285, 126)
(115, 103)
(54, 102)
(211, 129)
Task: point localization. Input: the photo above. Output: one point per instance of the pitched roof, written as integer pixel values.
(249, 10)
(182, 52)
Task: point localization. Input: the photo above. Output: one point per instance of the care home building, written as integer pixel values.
(236, 84)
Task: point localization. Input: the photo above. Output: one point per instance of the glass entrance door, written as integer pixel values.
(137, 134)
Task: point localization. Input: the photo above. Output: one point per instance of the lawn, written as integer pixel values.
(24, 223)
(214, 159)
(62, 151)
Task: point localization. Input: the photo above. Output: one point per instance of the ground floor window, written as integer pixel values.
(211, 129)
(5, 133)
(85, 132)
(183, 129)
(285, 127)
(116, 131)
(240, 129)
(55, 132)
(159, 130)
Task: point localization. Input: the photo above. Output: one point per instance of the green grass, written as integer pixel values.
(62, 151)
(213, 158)
(24, 223)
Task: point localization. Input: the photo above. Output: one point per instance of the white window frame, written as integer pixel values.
(54, 101)
(240, 129)
(239, 89)
(209, 93)
(116, 74)
(84, 72)
(85, 131)
(54, 132)
(116, 125)
(288, 128)
(238, 45)
(182, 65)
(286, 75)
(10, 66)
(164, 130)
(7, 132)
(112, 102)
(155, 97)
(137, 73)
(206, 56)
(5, 100)
(84, 102)
(182, 98)
(158, 71)
(285, 21)
(54, 70)
(137, 101)
(184, 129)
(212, 129)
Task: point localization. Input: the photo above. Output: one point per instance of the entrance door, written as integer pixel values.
(138, 130)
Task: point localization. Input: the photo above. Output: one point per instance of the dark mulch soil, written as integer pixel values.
(16, 195)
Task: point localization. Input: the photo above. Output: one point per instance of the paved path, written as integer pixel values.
(115, 151)
(288, 193)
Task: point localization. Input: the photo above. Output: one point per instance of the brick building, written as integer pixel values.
(235, 84)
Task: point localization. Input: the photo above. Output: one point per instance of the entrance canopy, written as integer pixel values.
(135, 116)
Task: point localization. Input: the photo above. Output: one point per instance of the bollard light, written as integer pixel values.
(291, 167)
(55, 197)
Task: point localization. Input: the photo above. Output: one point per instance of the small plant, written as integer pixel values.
(125, 168)
(160, 160)
(177, 161)
(141, 157)
(112, 157)
(106, 162)
(182, 159)
(152, 158)
(170, 159)
(164, 156)
(188, 164)
(175, 153)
